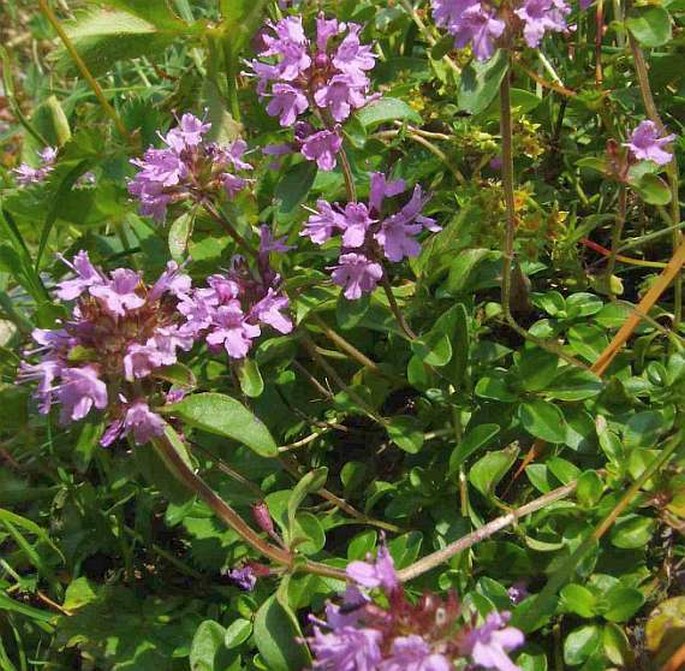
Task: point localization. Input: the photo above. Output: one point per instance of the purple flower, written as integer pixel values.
(27, 175)
(479, 27)
(322, 223)
(119, 332)
(269, 311)
(187, 167)
(396, 232)
(646, 145)
(346, 649)
(322, 147)
(489, 644)
(541, 16)
(119, 295)
(188, 133)
(139, 421)
(381, 188)
(517, 592)
(142, 423)
(469, 22)
(244, 578)
(141, 360)
(412, 653)
(340, 95)
(357, 274)
(87, 276)
(267, 242)
(355, 223)
(351, 56)
(80, 389)
(381, 573)
(232, 331)
(287, 102)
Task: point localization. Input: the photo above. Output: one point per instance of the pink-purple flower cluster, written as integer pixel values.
(361, 635)
(368, 235)
(27, 175)
(646, 145)
(104, 357)
(187, 168)
(122, 333)
(327, 76)
(230, 312)
(477, 24)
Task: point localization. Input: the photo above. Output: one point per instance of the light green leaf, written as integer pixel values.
(224, 416)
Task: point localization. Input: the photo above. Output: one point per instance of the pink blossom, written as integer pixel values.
(322, 147)
(357, 274)
(646, 145)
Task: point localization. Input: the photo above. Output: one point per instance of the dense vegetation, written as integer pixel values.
(342, 335)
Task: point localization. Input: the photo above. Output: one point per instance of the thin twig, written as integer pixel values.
(438, 557)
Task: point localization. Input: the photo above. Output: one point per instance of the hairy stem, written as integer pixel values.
(229, 228)
(395, 309)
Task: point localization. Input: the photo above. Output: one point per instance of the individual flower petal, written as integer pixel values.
(380, 573)
(269, 311)
(356, 223)
(381, 188)
(80, 389)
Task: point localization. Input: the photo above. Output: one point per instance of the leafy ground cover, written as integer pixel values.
(341, 335)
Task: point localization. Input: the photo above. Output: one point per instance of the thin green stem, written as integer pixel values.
(83, 68)
(395, 309)
(219, 217)
(672, 169)
(347, 175)
(616, 232)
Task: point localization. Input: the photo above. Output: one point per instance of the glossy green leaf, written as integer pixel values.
(543, 420)
(480, 81)
(386, 110)
(224, 416)
(487, 472)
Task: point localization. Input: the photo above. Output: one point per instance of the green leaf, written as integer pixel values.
(224, 416)
(103, 36)
(79, 593)
(651, 26)
(495, 388)
(536, 369)
(581, 643)
(631, 532)
(480, 82)
(644, 428)
(434, 348)
(474, 439)
(589, 489)
(386, 110)
(405, 431)
(294, 186)
(178, 374)
(543, 420)
(276, 634)
(311, 482)
(579, 600)
(237, 633)
(574, 384)
(622, 603)
(158, 14)
(652, 189)
(486, 473)
(349, 313)
(250, 378)
(208, 640)
(179, 235)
